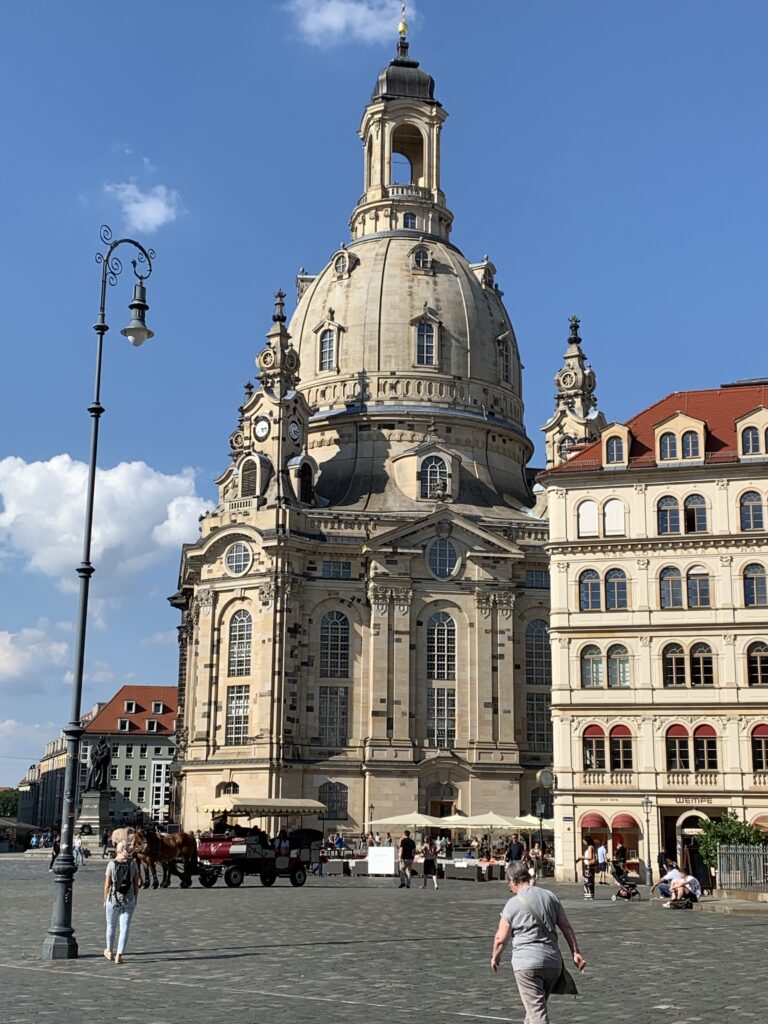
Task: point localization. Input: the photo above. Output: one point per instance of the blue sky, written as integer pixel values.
(610, 159)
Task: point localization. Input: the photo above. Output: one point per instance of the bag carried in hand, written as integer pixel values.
(122, 880)
(565, 985)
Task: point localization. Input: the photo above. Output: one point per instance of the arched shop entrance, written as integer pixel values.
(679, 829)
(595, 825)
(624, 829)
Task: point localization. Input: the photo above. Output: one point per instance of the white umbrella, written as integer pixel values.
(489, 820)
(408, 819)
(529, 823)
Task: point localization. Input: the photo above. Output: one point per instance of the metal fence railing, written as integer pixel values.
(742, 867)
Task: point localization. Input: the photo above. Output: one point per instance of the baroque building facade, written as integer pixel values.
(364, 614)
(659, 624)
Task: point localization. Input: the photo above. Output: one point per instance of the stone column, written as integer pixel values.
(378, 660)
(399, 712)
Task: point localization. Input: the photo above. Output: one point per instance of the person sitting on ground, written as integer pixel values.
(686, 888)
(664, 885)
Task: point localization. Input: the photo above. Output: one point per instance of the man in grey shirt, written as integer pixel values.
(536, 958)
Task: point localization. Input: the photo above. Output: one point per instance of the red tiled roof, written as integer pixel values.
(106, 720)
(719, 408)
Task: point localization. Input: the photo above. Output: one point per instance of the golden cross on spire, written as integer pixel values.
(402, 28)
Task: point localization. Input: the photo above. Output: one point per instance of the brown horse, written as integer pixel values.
(152, 848)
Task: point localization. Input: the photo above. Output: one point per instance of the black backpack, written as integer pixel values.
(123, 880)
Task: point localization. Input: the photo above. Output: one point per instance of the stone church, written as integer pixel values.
(365, 612)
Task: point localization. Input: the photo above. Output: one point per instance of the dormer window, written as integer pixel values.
(151, 725)
(421, 258)
(157, 707)
(123, 724)
(409, 221)
(668, 446)
(425, 345)
(690, 445)
(340, 265)
(614, 450)
(434, 477)
(130, 707)
(750, 441)
(327, 351)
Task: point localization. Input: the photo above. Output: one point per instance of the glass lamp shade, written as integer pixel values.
(137, 333)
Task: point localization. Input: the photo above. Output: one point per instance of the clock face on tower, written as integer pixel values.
(261, 429)
(294, 431)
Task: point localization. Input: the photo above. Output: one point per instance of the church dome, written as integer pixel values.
(403, 78)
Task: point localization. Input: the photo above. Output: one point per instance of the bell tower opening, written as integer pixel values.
(407, 163)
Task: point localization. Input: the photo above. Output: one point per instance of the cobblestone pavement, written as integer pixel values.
(361, 951)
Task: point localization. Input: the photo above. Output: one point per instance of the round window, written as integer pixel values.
(238, 558)
(421, 258)
(442, 558)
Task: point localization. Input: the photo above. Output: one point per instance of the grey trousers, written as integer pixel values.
(535, 986)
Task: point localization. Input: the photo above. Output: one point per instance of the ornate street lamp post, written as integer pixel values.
(60, 942)
(540, 809)
(371, 809)
(647, 804)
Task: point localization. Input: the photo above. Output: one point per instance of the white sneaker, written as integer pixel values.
(668, 904)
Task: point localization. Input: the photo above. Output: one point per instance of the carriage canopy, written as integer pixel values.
(240, 806)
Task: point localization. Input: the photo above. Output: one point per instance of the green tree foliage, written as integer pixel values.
(731, 830)
(9, 803)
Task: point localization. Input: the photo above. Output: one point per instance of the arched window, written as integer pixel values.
(760, 748)
(589, 591)
(702, 665)
(593, 748)
(695, 514)
(750, 441)
(425, 344)
(618, 666)
(327, 350)
(673, 665)
(538, 657)
(441, 716)
(335, 796)
(334, 646)
(614, 450)
(678, 751)
(705, 749)
(409, 220)
(306, 487)
(751, 511)
(441, 647)
(587, 515)
(670, 588)
(434, 475)
(421, 258)
(755, 593)
(699, 595)
(615, 590)
(613, 518)
(668, 446)
(668, 515)
(249, 478)
(240, 633)
(442, 558)
(505, 353)
(621, 749)
(757, 664)
(591, 667)
(690, 445)
(227, 789)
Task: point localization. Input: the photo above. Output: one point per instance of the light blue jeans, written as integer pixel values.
(123, 914)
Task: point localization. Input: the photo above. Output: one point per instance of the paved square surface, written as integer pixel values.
(361, 951)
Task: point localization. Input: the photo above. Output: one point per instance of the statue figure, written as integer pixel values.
(98, 774)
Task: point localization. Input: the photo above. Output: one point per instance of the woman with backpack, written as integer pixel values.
(121, 894)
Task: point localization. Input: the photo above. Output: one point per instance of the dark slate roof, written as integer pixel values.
(403, 77)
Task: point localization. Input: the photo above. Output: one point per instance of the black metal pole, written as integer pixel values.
(60, 942)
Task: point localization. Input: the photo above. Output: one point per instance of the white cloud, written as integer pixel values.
(141, 515)
(31, 654)
(22, 744)
(170, 636)
(326, 22)
(146, 210)
(100, 672)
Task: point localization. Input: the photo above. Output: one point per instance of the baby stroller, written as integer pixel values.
(627, 890)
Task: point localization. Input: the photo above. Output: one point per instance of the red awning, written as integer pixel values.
(704, 731)
(593, 730)
(593, 820)
(624, 821)
(760, 730)
(677, 732)
(620, 730)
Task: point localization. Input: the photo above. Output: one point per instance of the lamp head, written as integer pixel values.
(137, 331)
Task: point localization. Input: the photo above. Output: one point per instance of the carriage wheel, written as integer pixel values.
(268, 878)
(234, 876)
(298, 876)
(208, 879)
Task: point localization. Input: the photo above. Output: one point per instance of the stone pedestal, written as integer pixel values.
(95, 812)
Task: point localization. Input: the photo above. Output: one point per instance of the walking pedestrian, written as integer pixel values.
(406, 851)
(121, 894)
(531, 918)
(602, 863)
(429, 853)
(590, 860)
(515, 849)
(105, 843)
(77, 849)
(55, 847)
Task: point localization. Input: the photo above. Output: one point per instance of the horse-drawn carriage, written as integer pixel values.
(236, 851)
